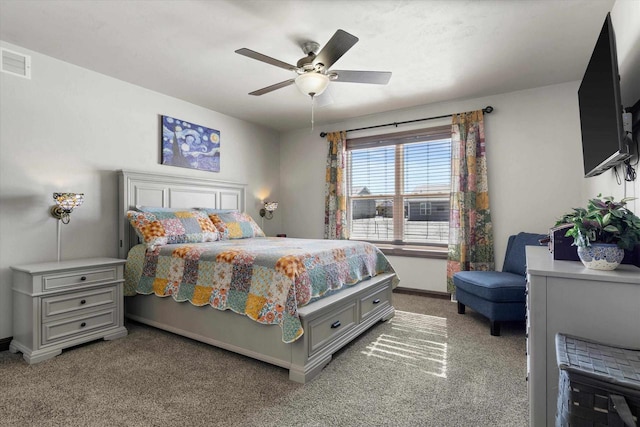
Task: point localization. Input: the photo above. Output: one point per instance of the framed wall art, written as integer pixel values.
(188, 145)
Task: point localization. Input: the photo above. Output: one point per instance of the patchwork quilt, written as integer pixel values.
(263, 278)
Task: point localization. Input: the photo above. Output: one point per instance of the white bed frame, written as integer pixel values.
(329, 323)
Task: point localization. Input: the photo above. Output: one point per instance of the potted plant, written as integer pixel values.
(603, 231)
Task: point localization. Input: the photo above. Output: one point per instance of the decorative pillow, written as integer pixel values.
(217, 222)
(220, 226)
(236, 225)
(165, 227)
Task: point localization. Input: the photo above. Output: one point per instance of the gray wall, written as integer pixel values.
(70, 129)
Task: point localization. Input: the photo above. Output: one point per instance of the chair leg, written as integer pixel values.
(460, 308)
(495, 328)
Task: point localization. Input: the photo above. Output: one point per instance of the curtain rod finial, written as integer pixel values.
(488, 109)
(323, 134)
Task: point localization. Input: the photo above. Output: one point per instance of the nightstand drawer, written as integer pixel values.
(374, 301)
(324, 329)
(79, 277)
(75, 326)
(71, 303)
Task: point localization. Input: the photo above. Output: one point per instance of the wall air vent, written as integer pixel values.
(15, 63)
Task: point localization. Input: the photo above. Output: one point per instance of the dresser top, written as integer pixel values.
(56, 266)
(540, 262)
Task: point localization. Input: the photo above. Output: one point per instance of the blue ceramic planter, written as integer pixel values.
(601, 256)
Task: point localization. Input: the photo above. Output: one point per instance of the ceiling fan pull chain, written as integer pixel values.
(312, 105)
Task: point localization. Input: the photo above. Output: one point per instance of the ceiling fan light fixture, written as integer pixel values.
(312, 84)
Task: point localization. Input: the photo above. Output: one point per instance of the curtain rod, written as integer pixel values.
(487, 110)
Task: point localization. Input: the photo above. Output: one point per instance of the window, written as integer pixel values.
(425, 208)
(398, 187)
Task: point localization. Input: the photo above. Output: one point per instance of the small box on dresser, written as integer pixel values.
(57, 305)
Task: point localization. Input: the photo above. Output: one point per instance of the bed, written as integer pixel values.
(303, 344)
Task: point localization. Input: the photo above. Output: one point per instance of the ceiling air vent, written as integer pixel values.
(15, 63)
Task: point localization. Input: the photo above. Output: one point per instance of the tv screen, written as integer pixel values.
(604, 142)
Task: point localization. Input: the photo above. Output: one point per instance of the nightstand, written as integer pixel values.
(57, 305)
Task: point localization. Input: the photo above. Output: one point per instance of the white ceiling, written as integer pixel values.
(437, 50)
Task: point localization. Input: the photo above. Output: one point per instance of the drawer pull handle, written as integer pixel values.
(83, 278)
(335, 324)
(83, 302)
(376, 301)
(83, 324)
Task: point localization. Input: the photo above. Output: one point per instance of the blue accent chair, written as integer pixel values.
(498, 295)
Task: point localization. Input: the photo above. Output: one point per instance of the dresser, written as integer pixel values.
(564, 296)
(57, 305)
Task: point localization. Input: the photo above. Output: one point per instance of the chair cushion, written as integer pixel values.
(515, 258)
(495, 286)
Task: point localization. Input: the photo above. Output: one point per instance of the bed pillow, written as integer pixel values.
(220, 226)
(236, 225)
(210, 211)
(217, 222)
(168, 227)
(156, 209)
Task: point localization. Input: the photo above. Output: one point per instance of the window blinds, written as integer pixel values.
(406, 137)
(418, 161)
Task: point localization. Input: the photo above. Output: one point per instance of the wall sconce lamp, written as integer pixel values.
(267, 210)
(65, 203)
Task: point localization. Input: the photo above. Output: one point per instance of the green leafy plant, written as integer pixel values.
(603, 221)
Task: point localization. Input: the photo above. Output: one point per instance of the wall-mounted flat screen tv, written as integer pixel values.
(604, 141)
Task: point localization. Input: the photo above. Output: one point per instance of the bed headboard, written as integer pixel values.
(171, 191)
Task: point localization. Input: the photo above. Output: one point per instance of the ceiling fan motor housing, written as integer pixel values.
(307, 63)
(310, 48)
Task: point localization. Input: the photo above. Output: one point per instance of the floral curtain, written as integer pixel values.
(470, 229)
(335, 216)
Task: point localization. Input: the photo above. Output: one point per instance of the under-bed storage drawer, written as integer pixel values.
(375, 301)
(71, 304)
(68, 328)
(326, 328)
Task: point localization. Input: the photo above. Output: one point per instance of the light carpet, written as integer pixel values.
(428, 366)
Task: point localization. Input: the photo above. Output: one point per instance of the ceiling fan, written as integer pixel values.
(313, 70)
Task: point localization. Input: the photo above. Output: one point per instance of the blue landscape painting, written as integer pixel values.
(189, 145)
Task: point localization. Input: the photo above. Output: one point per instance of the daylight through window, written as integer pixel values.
(399, 185)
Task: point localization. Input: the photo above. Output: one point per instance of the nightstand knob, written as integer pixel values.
(83, 324)
(376, 301)
(83, 302)
(83, 278)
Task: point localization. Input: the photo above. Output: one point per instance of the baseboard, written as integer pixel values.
(423, 292)
(4, 343)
